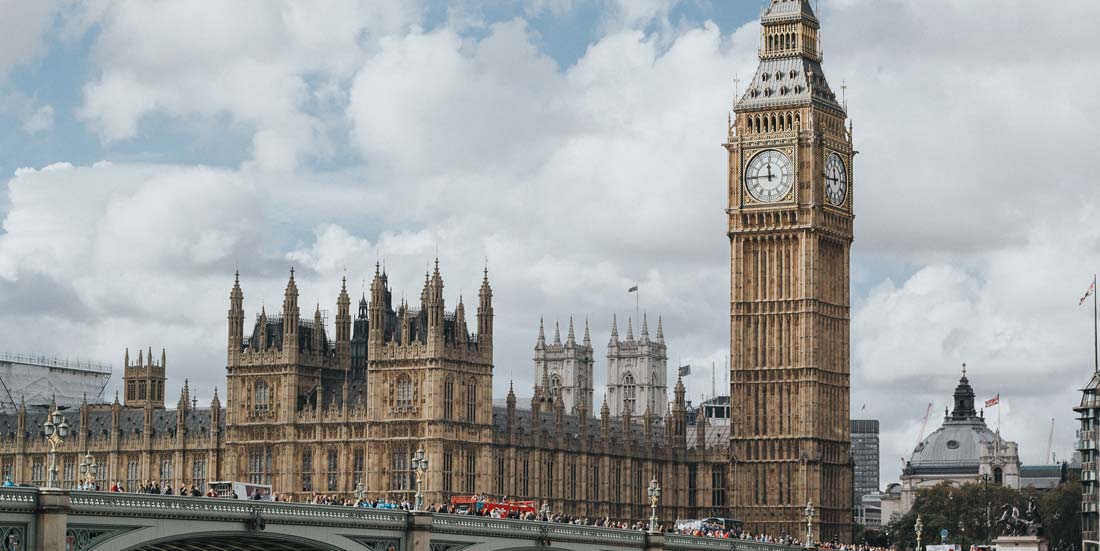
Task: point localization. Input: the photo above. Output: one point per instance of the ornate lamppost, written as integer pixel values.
(917, 528)
(360, 493)
(809, 525)
(420, 466)
(56, 428)
(88, 471)
(654, 497)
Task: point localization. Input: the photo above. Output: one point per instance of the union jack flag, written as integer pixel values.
(1090, 291)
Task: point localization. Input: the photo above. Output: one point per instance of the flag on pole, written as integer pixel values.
(1089, 292)
(685, 370)
(993, 401)
(633, 289)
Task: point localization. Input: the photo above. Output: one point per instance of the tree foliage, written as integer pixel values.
(970, 513)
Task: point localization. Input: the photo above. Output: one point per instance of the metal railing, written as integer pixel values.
(177, 507)
(49, 361)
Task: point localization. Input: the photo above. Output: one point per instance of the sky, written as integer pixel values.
(151, 149)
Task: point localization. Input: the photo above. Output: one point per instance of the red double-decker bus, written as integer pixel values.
(485, 505)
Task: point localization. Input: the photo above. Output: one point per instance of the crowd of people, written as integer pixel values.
(479, 507)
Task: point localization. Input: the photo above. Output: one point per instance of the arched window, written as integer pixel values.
(471, 401)
(130, 393)
(333, 470)
(629, 390)
(448, 397)
(141, 390)
(998, 476)
(307, 470)
(404, 396)
(653, 384)
(555, 386)
(261, 397)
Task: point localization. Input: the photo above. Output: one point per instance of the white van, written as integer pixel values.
(242, 490)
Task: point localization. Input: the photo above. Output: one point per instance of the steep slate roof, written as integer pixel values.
(781, 10)
(130, 422)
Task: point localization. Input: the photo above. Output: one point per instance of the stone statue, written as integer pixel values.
(1031, 519)
(1013, 525)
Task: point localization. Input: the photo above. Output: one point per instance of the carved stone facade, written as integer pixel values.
(566, 369)
(300, 415)
(790, 230)
(636, 371)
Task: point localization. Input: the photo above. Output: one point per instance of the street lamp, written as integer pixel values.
(420, 466)
(88, 471)
(57, 428)
(654, 497)
(917, 528)
(360, 492)
(986, 536)
(809, 525)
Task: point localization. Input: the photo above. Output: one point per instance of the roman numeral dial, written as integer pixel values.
(769, 176)
(836, 180)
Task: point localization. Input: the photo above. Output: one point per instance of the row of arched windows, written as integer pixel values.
(774, 122)
(140, 390)
(470, 388)
(782, 41)
(261, 397)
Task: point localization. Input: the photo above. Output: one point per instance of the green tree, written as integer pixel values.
(1058, 510)
(969, 513)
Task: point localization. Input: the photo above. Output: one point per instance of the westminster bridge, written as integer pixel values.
(59, 520)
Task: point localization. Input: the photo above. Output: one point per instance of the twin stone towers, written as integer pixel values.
(637, 371)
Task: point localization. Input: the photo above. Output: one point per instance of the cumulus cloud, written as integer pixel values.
(22, 30)
(39, 121)
(374, 135)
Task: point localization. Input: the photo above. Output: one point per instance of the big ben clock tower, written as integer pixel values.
(790, 228)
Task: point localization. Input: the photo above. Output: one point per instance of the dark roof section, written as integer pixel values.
(131, 422)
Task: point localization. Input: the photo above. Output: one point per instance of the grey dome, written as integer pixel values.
(955, 447)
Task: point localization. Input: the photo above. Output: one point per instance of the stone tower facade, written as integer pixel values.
(637, 371)
(790, 229)
(430, 379)
(565, 370)
(144, 380)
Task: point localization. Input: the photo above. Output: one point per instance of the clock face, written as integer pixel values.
(836, 180)
(769, 176)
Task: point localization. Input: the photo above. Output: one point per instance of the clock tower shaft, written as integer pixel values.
(789, 288)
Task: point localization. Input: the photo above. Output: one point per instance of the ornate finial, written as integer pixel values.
(964, 369)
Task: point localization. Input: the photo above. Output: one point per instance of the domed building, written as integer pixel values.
(962, 450)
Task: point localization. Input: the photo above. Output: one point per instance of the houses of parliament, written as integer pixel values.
(313, 409)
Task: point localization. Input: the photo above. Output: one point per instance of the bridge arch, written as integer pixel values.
(232, 541)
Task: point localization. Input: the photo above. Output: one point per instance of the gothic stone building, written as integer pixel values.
(790, 229)
(300, 415)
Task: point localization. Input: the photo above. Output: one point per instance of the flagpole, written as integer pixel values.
(637, 299)
(1095, 341)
